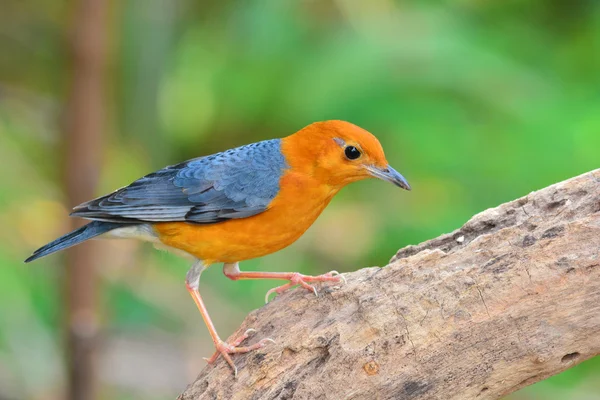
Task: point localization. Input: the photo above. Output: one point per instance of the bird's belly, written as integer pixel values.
(298, 204)
(238, 239)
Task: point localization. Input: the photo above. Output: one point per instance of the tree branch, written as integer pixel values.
(507, 300)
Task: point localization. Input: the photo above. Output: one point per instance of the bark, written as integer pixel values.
(507, 300)
(83, 145)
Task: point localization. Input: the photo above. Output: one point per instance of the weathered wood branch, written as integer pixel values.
(507, 300)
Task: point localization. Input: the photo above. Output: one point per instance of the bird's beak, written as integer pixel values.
(389, 174)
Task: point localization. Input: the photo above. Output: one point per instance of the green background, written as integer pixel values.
(475, 102)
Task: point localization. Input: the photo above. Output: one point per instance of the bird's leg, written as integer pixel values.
(232, 271)
(192, 282)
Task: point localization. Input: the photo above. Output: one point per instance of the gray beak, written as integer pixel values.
(389, 174)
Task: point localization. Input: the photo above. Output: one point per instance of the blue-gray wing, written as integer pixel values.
(237, 183)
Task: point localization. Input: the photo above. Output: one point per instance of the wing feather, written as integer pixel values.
(238, 183)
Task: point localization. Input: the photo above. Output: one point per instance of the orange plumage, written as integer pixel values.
(238, 205)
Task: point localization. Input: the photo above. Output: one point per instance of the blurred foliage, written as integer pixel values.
(475, 102)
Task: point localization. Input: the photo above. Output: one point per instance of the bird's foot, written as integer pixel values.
(226, 349)
(302, 280)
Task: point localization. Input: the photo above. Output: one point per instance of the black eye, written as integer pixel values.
(352, 153)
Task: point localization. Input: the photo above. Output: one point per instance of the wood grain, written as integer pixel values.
(507, 300)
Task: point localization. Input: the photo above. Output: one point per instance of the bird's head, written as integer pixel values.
(338, 153)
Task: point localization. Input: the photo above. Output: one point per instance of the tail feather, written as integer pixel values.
(77, 236)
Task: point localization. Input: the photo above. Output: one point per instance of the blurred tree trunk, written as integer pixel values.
(83, 145)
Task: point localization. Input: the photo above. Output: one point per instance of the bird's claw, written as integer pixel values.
(299, 279)
(335, 273)
(225, 349)
(249, 331)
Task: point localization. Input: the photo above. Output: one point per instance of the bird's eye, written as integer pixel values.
(352, 153)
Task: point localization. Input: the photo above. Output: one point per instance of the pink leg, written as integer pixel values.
(232, 271)
(224, 349)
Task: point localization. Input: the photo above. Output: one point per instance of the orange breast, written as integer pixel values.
(300, 201)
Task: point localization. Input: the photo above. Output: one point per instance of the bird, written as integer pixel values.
(237, 205)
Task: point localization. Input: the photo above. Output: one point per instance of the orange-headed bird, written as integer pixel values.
(237, 205)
